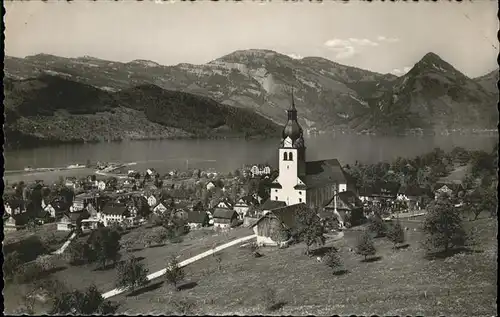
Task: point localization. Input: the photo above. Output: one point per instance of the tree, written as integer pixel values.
(333, 261)
(396, 234)
(377, 226)
(79, 252)
(481, 199)
(310, 229)
(81, 303)
(11, 265)
(132, 274)
(443, 225)
(365, 245)
(174, 273)
(105, 244)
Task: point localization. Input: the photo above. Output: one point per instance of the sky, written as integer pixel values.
(383, 36)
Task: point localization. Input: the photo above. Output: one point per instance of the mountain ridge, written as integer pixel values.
(329, 96)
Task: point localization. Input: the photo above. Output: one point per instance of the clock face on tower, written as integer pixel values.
(287, 142)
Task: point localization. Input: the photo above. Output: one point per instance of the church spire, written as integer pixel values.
(292, 112)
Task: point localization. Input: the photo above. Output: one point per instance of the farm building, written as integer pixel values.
(224, 218)
(273, 228)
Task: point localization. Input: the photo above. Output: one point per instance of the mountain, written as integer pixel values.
(51, 109)
(489, 81)
(329, 96)
(433, 95)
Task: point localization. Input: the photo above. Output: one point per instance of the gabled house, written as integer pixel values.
(114, 214)
(160, 208)
(244, 204)
(379, 191)
(274, 227)
(15, 206)
(15, 222)
(451, 188)
(342, 205)
(270, 205)
(197, 219)
(224, 218)
(210, 185)
(414, 196)
(225, 203)
(152, 201)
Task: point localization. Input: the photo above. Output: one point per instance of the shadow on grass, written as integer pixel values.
(134, 249)
(372, 259)
(145, 289)
(340, 272)
(402, 247)
(157, 245)
(187, 286)
(108, 266)
(277, 306)
(53, 270)
(446, 254)
(322, 251)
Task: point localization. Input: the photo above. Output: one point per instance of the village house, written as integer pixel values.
(244, 204)
(210, 185)
(70, 221)
(114, 214)
(380, 191)
(224, 218)
(15, 222)
(452, 188)
(160, 208)
(152, 201)
(197, 219)
(270, 205)
(414, 196)
(14, 207)
(225, 203)
(341, 206)
(272, 227)
(260, 170)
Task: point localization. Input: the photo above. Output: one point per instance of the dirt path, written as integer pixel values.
(159, 273)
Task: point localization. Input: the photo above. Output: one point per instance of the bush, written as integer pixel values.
(12, 264)
(377, 226)
(29, 272)
(396, 234)
(333, 261)
(132, 274)
(174, 273)
(365, 245)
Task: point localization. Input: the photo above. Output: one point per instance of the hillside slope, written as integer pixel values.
(329, 96)
(51, 109)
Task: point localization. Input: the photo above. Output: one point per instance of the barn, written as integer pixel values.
(274, 227)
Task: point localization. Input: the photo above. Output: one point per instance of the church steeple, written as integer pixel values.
(292, 112)
(292, 128)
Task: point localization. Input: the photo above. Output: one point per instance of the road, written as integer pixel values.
(65, 245)
(195, 258)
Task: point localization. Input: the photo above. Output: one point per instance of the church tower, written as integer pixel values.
(292, 162)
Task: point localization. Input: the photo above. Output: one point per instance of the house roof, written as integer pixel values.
(197, 216)
(321, 173)
(381, 189)
(249, 200)
(346, 200)
(272, 204)
(114, 209)
(224, 213)
(414, 191)
(283, 214)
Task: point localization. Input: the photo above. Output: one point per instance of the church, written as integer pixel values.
(314, 183)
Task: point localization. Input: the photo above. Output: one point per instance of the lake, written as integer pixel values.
(229, 154)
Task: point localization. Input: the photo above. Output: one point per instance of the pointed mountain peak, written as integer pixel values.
(432, 62)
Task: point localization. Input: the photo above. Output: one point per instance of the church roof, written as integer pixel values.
(320, 173)
(272, 204)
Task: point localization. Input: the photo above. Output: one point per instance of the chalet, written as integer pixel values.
(210, 185)
(259, 170)
(224, 218)
(90, 223)
(342, 205)
(160, 208)
(15, 222)
(152, 201)
(414, 196)
(114, 213)
(197, 219)
(270, 229)
(65, 223)
(244, 204)
(379, 191)
(451, 188)
(225, 203)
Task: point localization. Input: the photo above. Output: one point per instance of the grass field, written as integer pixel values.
(402, 282)
(47, 232)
